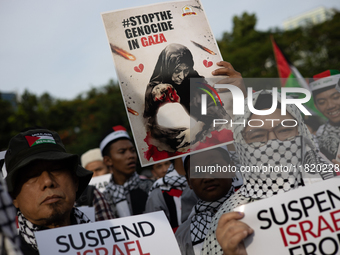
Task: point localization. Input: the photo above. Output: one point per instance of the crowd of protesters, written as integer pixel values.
(45, 186)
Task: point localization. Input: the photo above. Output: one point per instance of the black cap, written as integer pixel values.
(40, 144)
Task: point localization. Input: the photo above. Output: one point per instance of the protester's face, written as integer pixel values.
(180, 73)
(209, 189)
(328, 103)
(159, 169)
(97, 167)
(261, 135)
(123, 157)
(47, 194)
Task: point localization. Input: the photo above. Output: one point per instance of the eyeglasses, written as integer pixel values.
(259, 136)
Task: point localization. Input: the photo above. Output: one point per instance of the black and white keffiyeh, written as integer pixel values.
(10, 242)
(289, 157)
(171, 180)
(201, 217)
(259, 184)
(118, 194)
(264, 182)
(328, 139)
(27, 228)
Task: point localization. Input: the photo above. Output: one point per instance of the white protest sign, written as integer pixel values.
(146, 234)
(144, 41)
(302, 221)
(100, 182)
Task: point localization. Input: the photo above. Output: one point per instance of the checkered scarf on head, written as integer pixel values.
(27, 228)
(171, 180)
(259, 185)
(201, 216)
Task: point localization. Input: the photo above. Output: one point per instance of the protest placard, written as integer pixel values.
(100, 182)
(157, 50)
(303, 221)
(147, 234)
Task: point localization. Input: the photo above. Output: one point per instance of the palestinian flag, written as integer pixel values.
(39, 139)
(291, 77)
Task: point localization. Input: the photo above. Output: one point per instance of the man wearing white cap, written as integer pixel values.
(326, 93)
(126, 192)
(92, 160)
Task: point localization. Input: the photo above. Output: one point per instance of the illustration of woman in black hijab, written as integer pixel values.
(170, 82)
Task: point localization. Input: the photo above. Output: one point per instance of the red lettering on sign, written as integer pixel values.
(282, 232)
(322, 219)
(140, 249)
(116, 247)
(307, 230)
(153, 39)
(335, 220)
(289, 232)
(127, 247)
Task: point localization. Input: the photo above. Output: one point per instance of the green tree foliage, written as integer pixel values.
(6, 112)
(81, 122)
(244, 25)
(247, 49)
(311, 49)
(94, 116)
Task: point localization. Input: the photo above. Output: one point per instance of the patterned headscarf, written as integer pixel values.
(257, 185)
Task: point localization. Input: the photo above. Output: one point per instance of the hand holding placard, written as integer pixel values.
(230, 233)
(302, 221)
